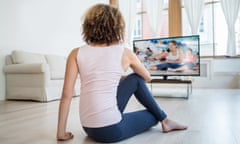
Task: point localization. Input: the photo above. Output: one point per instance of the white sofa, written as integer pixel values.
(38, 77)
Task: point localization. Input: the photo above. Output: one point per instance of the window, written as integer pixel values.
(213, 29)
(220, 30)
(205, 31)
(138, 27)
(237, 28)
(138, 23)
(164, 28)
(137, 34)
(142, 28)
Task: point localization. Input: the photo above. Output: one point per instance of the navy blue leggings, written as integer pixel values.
(165, 66)
(132, 123)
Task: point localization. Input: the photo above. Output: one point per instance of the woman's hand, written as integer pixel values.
(151, 58)
(65, 137)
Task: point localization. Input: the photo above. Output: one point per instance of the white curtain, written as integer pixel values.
(194, 10)
(230, 10)
(154, 10)
(129, 12)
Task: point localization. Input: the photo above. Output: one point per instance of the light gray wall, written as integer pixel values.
(53, 26)
(221, 73)
(41, 26)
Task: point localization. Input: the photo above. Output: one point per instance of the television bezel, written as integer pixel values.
(175, 37)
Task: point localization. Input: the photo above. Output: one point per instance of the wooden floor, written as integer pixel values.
(213, 117)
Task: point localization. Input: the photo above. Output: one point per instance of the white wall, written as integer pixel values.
(42, 26)
(216, 74)
(219, 73)
(53, 26)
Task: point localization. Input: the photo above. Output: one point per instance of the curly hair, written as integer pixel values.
(103, 24)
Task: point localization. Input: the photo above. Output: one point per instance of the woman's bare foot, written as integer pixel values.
(171, 70)
(169, 125)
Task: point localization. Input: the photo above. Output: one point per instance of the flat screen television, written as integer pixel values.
(171, 56)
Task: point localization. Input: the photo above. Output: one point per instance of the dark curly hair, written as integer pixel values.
(103, 24)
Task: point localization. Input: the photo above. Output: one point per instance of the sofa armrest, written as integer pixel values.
(26, 68)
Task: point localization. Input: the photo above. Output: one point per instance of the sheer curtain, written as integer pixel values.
(230, 10)
(154, 10)
(194, 10)
(129, 12)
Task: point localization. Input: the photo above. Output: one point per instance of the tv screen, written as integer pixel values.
(172, 56)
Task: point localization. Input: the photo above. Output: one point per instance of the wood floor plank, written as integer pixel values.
(213, 117)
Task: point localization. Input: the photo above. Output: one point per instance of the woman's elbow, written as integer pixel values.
(148, 78)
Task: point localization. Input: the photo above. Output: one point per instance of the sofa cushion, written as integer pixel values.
(9, 60)
(57, 66)
(22, 57)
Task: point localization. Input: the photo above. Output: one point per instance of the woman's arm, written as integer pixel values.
(67, 92)
(195, 59)
(130, 59)
(163, 55)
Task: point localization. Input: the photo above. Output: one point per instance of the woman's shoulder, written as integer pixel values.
(77, 49)
(74, 52)
(127, 52)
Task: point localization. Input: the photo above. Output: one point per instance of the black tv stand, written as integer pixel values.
(173, 81)
(165, 77)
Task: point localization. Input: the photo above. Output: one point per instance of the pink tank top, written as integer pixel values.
(100, 71)
(189, 59)
(172, 57)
